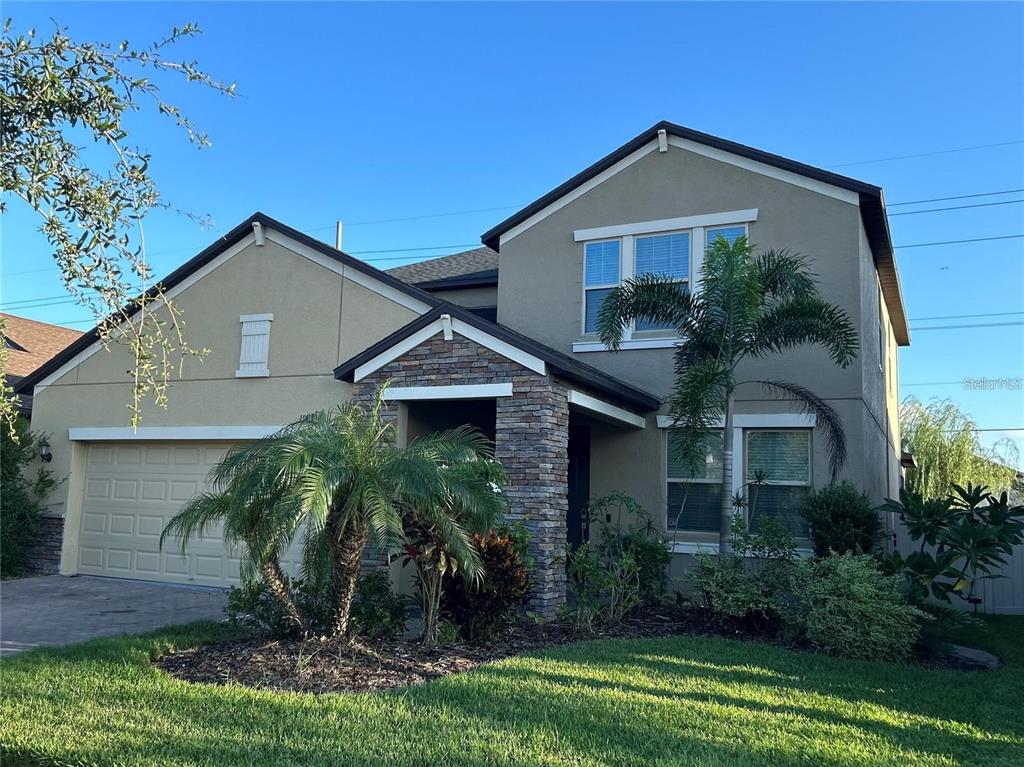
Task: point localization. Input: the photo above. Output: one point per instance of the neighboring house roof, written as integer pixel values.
(561, 364)
(193, 265)
(872, 204)
(479, 262)
(30, 344)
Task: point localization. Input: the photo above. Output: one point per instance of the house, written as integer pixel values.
(29, 344)
(294, 325)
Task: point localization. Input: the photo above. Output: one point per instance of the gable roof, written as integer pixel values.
(31, 343)
(214, 250)
(871, 202)
(470, 262)
(561, 364)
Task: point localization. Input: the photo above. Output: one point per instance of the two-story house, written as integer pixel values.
(501, 337)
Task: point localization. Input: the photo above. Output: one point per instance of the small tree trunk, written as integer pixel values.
(275, 581)
(430, 601)
(727, 512)
(347, 555)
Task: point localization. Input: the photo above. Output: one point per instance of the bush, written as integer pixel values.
(20, 499)
(484, 610)
(377, 612)
(588, 579)
(633, 541)
(842, 519)
(844, 605)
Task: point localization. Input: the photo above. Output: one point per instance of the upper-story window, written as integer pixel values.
(677, 255)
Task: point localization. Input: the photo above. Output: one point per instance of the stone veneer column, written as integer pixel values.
(531, 442)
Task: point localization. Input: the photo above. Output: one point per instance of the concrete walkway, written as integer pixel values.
(54, 609)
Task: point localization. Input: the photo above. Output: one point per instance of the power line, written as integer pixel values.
(958, 197)
(957, 327)
(963, 316)
(926, 154)
(957, 242)
(955, 207)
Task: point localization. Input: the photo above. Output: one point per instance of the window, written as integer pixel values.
(674, 254)
(601, 270)
(784, 457)
(255, 351)
(665, 255)
(695, 496)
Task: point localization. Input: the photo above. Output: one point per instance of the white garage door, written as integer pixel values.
(131, 490)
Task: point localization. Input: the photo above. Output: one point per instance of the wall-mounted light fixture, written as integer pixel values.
(45, 454)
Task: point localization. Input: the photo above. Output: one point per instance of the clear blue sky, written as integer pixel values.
(366, 112)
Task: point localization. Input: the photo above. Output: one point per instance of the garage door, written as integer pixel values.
(131, 491)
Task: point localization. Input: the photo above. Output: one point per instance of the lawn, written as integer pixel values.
(678, 701)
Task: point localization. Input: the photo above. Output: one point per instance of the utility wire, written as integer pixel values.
(926, 154)
(958, 197)
(963, 316)
(955, 207)
(918, 329)
(957, 242)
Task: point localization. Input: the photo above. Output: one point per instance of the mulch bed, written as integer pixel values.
(326, 665)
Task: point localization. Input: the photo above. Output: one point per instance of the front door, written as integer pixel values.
(578, 528)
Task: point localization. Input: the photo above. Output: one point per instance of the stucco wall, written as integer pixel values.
(471, 298)
(320, 320)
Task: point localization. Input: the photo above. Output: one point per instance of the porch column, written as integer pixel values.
(531, 442)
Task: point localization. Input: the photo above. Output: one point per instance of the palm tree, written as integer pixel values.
(439, 529)
(748, 306)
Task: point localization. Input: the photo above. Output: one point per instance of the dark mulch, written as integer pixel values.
(326, 665)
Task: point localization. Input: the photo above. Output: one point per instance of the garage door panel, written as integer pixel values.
(131, 492)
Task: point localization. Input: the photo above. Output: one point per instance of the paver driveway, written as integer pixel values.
(55, 610)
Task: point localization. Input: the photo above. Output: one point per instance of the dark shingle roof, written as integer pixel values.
(455, 265)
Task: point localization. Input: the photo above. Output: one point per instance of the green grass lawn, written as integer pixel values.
(675, 701)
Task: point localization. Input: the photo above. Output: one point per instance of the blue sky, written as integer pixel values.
(369, 112)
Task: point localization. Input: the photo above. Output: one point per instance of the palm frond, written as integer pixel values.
(783, 274)
(800, 320)
(650, 297)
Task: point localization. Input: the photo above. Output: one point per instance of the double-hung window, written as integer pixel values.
(602, 269)
(676, 254)
(695, 492)
(777, 465)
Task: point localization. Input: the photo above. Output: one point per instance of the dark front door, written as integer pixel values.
(579, 484)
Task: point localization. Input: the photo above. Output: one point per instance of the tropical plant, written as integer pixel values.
(439, 527)
(842, 519)
(962, 539)
(57, 94)
(944, 442)
(588, 579)
(339, 474)
(748, 307)
(484, 609)
(21, 497)
(624, 529)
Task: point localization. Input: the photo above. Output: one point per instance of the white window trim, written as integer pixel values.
(708, 547)
(261, 371)
(697, 230)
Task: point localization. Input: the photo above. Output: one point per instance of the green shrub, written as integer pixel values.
(486, 609)
(844, 605)
(842, 519)
(588, 582)
(20, 498)
(626, 530)
(377, 612)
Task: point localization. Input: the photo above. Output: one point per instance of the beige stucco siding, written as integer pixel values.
(471, 298)
(320, 320)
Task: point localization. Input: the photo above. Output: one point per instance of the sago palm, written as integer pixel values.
(748, 306)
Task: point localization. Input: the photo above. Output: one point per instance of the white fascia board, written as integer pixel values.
(638, 343)
(667, 224)
(756, 421)
(398, 350)
(185, 284)
(458, 391)
(606, 410)
(357, 276)
(579, 191)
(764, 169)
(169, 433)
(505, 349)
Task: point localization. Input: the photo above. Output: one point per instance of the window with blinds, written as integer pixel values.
(664, 255)
(601, 271)
(255, 352)
(729, 233)
(695, 492)
(783, 458)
